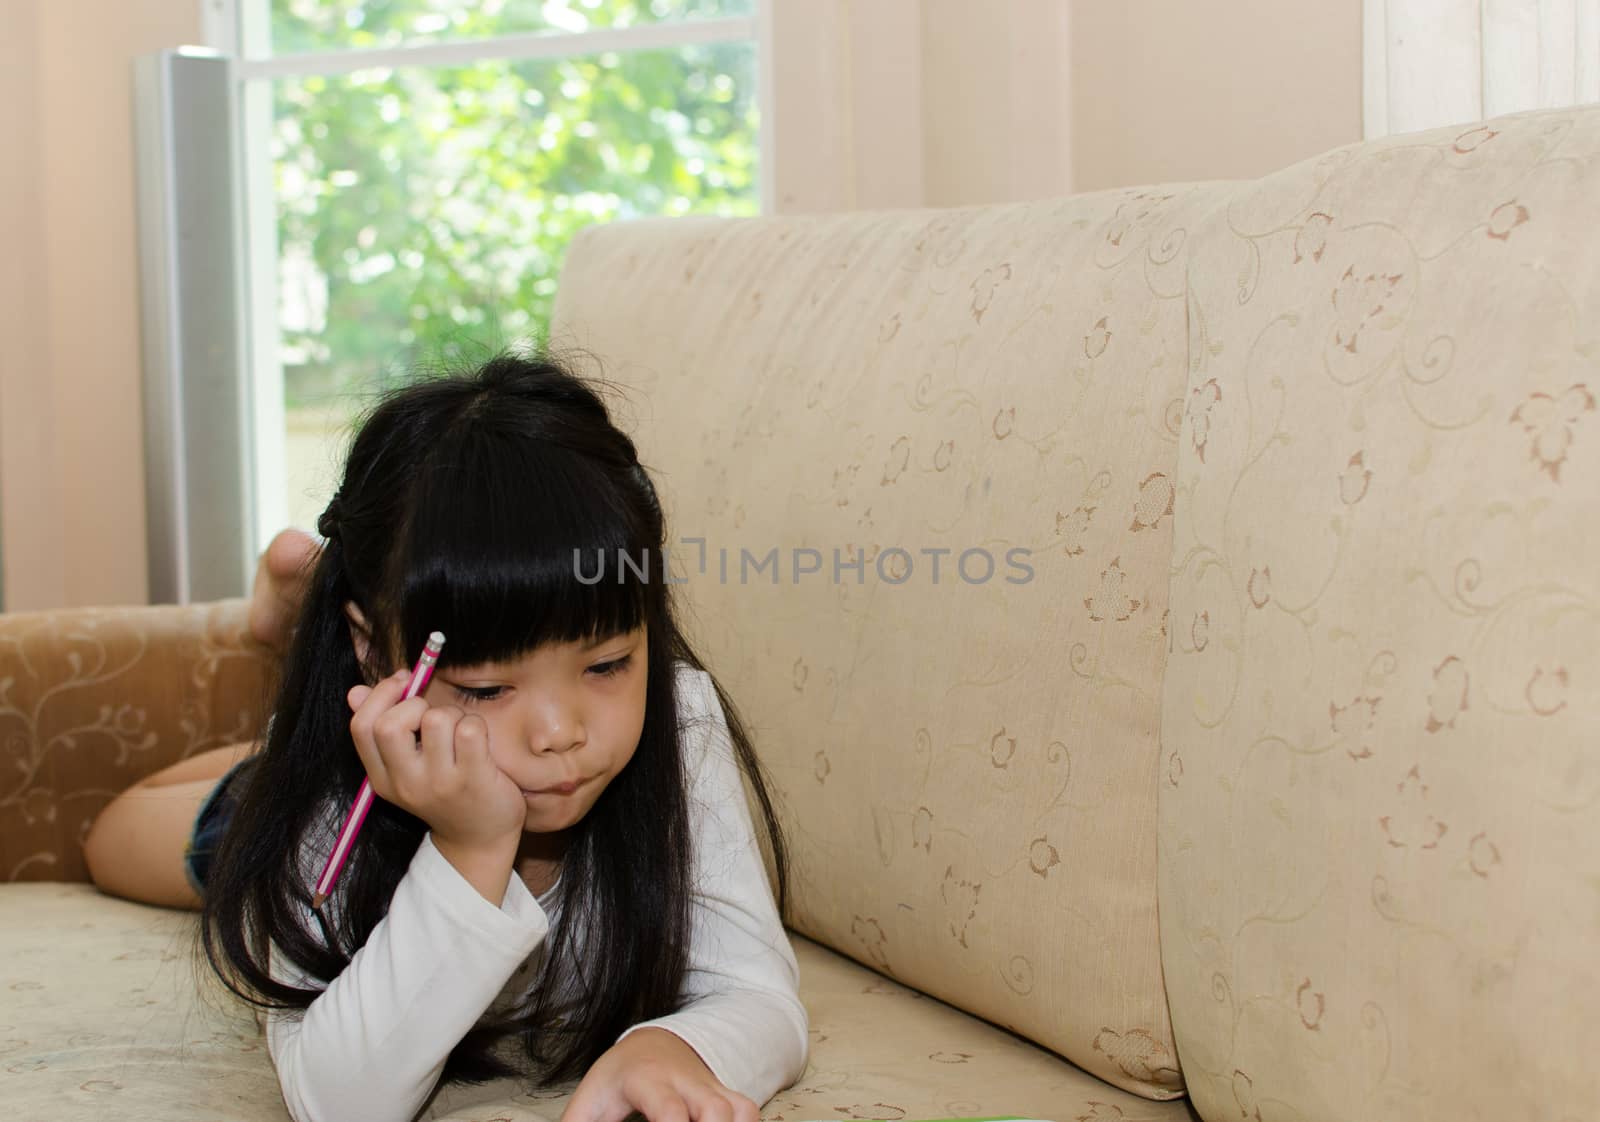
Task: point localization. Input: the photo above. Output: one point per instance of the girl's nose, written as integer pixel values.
(553, 725)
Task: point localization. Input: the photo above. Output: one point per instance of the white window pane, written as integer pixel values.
(423, 213)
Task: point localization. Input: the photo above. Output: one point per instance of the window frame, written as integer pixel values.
(240, 30)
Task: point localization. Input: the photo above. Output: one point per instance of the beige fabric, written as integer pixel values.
(968, 767)
(93, 699)
(1382, 715)
(107, 1021)
(1379, 752)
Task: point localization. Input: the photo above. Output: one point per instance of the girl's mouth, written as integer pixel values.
(559, 789)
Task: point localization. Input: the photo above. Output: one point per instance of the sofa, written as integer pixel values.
(1170, 617)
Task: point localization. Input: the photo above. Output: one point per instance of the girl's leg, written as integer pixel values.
(280, 586)
(135, 848)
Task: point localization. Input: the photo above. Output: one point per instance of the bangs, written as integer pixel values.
(511, 547)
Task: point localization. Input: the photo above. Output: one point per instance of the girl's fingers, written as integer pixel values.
(744, 1108)
(384, 732)
(657, 1101)
(598, 1102)
(431, 760)
(472, 742)
(375, 699)
(437, 734)
(706, 1104)
(395, 729)
(395, 736)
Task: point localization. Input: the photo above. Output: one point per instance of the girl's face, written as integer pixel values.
(563, 720)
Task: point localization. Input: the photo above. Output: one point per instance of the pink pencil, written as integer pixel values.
(358, 812)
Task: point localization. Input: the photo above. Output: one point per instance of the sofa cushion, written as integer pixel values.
(1380, 848)
(104, 1019)
(967, 755)
(94, 699)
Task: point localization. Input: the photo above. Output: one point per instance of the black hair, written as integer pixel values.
(462, 501)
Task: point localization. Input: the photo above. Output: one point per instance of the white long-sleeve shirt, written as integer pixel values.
(373, 1044)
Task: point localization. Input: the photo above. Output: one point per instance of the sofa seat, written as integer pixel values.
(103, 1029)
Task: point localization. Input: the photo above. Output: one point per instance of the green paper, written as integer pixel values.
(997, 1118)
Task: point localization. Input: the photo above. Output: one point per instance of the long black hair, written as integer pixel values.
(462, 501)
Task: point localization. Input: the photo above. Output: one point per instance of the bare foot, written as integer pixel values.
(280, 586)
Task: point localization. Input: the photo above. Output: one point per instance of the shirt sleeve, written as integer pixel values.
(373, 1044)
(742, 1011)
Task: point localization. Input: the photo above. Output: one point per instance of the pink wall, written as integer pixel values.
(891, 103)
(880, 103)
(1174, 93)
(71, 432)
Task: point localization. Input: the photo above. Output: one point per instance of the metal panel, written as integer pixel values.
(197, 433)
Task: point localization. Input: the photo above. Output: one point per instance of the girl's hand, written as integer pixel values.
(657, 1074)
(434, 762)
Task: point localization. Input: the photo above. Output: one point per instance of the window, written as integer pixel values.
(1426, 66)
(414, 169)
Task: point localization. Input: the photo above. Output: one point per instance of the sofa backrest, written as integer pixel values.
(1380, 858)
(94, 699)
(964, 743)
(1351, 407)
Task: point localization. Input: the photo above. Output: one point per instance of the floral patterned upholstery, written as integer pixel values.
(1380, 850)
(94, 699)
(1275, 778)
(105, 1019)
(967, 755)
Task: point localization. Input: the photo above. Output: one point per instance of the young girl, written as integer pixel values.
(559, 858)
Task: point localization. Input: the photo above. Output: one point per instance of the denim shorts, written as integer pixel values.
(209, 825)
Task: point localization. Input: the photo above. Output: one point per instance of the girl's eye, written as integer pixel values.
(470, 694)
(613, 668)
